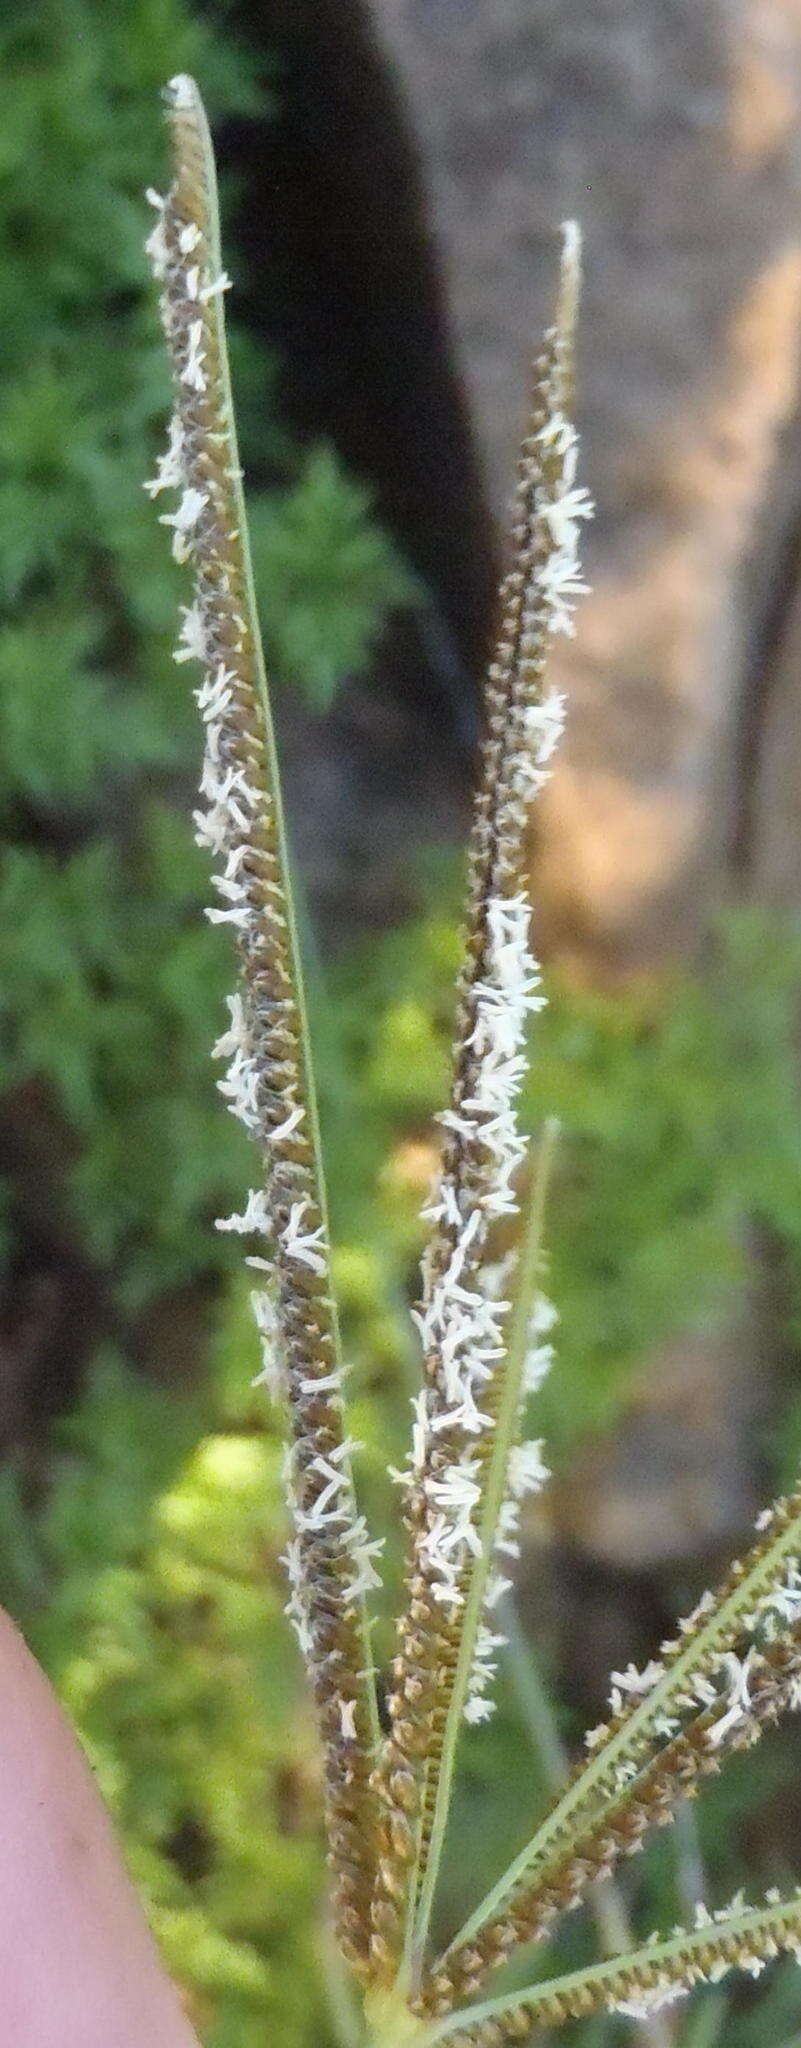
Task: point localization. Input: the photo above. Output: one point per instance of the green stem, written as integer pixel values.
(603, 1898)
(532, 1698)
(346, 2020)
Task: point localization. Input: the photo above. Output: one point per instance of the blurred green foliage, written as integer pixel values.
(147, 1574)
(143, 1560)
(319, 627)
(111, 983)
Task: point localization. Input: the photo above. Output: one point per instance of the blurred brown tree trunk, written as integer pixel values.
(673, 132)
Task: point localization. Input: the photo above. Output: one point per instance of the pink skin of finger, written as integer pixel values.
(78, 1967)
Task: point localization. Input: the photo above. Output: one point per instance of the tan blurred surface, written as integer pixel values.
(674, 132)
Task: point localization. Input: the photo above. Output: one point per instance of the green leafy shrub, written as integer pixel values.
(326, 576)
(112, 987)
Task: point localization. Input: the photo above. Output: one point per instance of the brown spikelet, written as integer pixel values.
(269, 1082)
(620, 1829)
(723, 1628)
(475, 1185)
(643, 1982)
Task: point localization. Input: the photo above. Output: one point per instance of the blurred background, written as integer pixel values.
(393, 175)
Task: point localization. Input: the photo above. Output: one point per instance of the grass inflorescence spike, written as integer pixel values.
(484, 1322)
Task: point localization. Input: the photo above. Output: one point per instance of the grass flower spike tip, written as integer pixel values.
(484, 1322)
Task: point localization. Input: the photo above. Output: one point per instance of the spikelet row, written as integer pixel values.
(645, 1982)
(267, 1083)
(463, 1316)
(732, 1722)
(702, 1685)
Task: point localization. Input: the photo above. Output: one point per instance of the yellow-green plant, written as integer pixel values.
(484, 1323)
